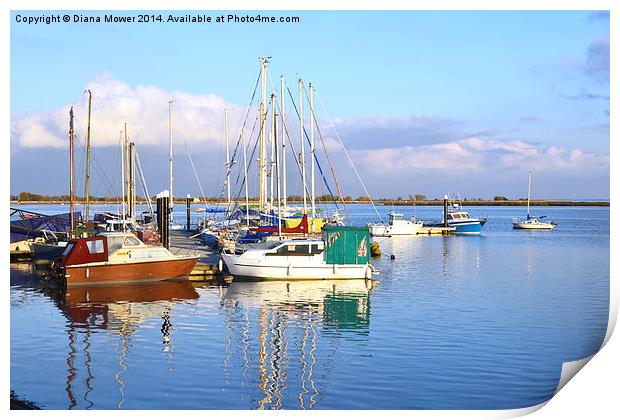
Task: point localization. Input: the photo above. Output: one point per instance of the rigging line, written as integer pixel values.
(96, 164)
(195, 173)
(242, 171)
(143, 182)
(317, 162)
(249, 107)
(349, 158)
(107, 184)
(313, 116)
(291, 144)
(249, 160)
(315, 158)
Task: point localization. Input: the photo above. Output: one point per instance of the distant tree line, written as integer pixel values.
(412, 199)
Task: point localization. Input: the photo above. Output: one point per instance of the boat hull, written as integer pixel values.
(467, 228)
(533, 226)
(47, 251)
(240, 267)
(387, 230)
(109, 273)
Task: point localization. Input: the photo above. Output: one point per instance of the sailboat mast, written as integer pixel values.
(123, 178)
(312, 197)
(127, 178)
(277, 163)
(132, 180)
(283, 159)
(272, 161)
(170, 137)
(228, 163)
(262, 190)
(245, 174)
(87, 188)
(529, 189)
(71, 176)
(301, 137)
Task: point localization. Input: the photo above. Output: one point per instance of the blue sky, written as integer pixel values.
(462, 101)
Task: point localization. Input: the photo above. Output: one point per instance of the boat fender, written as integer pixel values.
(368, 274)
(87, 273)
(220, 265)
(375, 251)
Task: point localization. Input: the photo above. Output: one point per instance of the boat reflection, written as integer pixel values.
(288, 331)
(120, 309)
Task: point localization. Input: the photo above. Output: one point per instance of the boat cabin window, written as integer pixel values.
(67, 250)
(450, 217)
(131, 241)
(95, 247)
(301, 249)
(398, 217)
(114, 243)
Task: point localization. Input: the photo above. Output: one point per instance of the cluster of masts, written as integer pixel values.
(276, 135)
(273, 134)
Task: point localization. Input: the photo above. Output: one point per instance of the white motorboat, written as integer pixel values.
(342, 253)
(532, 222)
(397, 225)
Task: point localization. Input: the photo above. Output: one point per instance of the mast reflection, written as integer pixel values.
(121, 309)
(286, 328)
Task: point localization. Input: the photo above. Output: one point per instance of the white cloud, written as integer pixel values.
(197, 118)
(479, 155)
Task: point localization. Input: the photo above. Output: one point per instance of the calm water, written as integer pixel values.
(452, 322)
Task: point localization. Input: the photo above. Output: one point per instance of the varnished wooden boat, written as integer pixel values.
(119, 257)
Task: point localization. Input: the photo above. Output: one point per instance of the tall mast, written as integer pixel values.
(123, 178)
(277, 163)
(272, 161)
(263, 117)
(301, 137)
(245, 174)
(87, 189)
(170, 136)
(71, 176)
(529, 185)
(312, 197)
(283, 159)
(132, 183)
(228, 163)
(127, 180)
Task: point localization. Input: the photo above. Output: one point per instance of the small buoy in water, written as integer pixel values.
(392, 257)
(375, 251)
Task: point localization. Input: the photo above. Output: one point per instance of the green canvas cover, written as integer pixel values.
(346, 244)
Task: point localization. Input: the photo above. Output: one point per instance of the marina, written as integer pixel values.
(324, 210)
(431, 319)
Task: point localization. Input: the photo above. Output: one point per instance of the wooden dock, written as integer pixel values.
(433, 230)
(182, 243)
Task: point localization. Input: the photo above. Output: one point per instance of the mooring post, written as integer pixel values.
(445, 211)
(188, 203)
(163, 220)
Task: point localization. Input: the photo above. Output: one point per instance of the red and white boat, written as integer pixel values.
(120, 257)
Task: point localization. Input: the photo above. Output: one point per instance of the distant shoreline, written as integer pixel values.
(467, 203)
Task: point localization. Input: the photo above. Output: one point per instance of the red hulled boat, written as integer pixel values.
(119, 257)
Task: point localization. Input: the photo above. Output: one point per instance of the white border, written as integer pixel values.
(594, 394)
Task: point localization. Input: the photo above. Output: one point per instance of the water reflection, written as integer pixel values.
(292, 319)
(120, 309)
